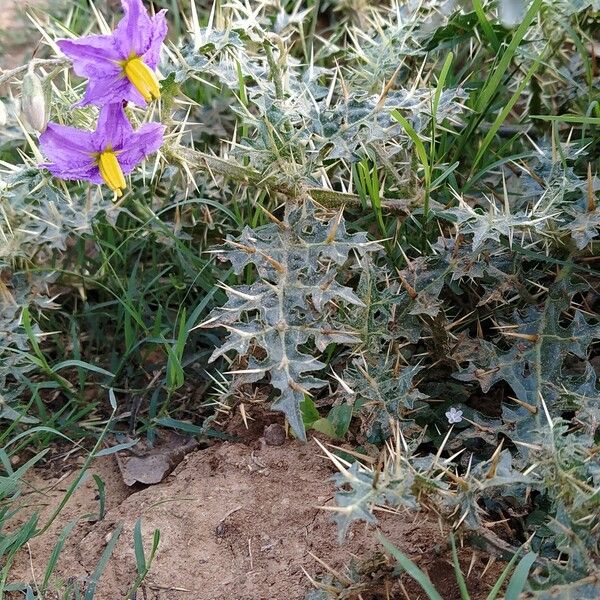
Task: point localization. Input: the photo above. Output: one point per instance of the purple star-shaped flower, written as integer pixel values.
(454, 415)
(120, 66)
(101, 156)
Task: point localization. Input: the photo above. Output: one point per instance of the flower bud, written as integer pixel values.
(3, 115)
(33, 102)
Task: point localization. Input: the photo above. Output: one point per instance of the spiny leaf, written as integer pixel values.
(533, 366)
(291, 305)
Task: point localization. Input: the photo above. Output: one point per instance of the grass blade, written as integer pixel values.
(102, 563)
(138, 545)
(440, 84)
(519, 578)
(409, 566)
(414, 136)
(504, 113)
(101, 496)
(460, 578)
(498, 73)
(579, 119)
(505, 573)
(486, 26)
(53, 560)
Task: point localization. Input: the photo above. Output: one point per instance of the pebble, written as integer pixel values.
(274, 435)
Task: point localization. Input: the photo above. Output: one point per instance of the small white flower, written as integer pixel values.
(454, 415)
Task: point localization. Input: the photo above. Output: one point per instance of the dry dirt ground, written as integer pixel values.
(237, 522)
(17, 36)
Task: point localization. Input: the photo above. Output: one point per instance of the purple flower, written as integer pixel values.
(454, 415)
(102, 156)
(120, 66)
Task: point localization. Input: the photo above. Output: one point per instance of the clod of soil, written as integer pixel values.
(235, 524)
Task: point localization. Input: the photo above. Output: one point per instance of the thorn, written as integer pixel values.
(534, 447)
(387, 88)
(344, 385)
(494, 460)
(339, 464)
(410, 290)
(546, 412)
(365, 458)
(243, 247)
(272, 217)
(335, 573)
(274, 263)
(245, 416)
(490, 562)
(479, 329)
(472, 564)
(532, 409)
(334, 227)
(591, 201)
(530, 337)
(298, 388)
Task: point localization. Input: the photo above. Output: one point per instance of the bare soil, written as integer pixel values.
(17, 36)
(237, 522)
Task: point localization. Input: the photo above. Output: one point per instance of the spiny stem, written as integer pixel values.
(275, 70)
(36, 62)
(248, 176)
(334, 199)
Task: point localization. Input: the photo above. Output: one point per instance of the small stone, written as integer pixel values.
(274, 435)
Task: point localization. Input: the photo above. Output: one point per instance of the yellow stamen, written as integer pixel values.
(110, 171)
(142, 77)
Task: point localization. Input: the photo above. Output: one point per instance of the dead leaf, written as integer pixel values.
(151, 465)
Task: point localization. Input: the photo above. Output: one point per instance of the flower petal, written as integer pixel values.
(113, 129)
(108, 90)
(88, 172)
(93, 56)
(145, 141)
(67, 146)
(99, 57)
(134, 32)
(159, 33)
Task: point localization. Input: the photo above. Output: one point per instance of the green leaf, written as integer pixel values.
(517, 582)
(138, 544)
(340, 417)
(309, 411)
(499, 70)
(411, 569)
(90, 591)
(324, 426)
(288, 307)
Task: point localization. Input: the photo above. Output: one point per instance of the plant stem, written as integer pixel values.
(275, 71)
(248, 176)
(36, 62)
